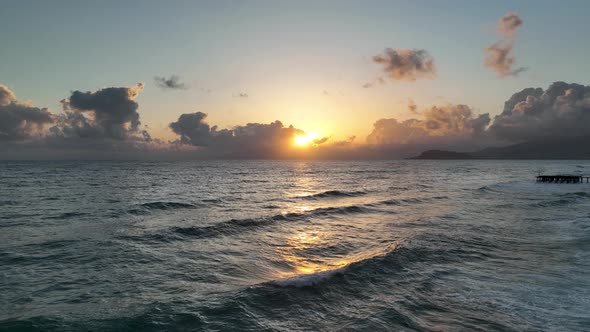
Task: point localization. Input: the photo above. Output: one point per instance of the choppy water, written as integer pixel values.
(286, 246)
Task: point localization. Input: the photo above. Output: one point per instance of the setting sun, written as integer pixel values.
(303, 140)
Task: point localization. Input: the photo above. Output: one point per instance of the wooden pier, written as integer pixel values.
(563, 178)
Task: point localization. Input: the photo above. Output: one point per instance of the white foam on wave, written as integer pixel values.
(315, 278)
(311, 279)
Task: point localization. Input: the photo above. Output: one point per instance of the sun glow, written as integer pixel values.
(303, 140)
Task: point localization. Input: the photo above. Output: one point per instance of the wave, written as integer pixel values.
(334, 193)
(356, 266)
(381, 265)
(409, 200)
(147, 207)
(534, 188)
(577, 194)
(339, 210)
(167, 205)
(236, 226)
(213, 200)
(564, 199)
(309, 280)
(392, 259)
(67, 215)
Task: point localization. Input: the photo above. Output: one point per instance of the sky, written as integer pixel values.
(304, 63)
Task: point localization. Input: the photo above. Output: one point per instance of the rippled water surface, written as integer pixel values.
(287, 246)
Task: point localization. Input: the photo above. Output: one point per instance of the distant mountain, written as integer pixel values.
(441, 154)
(565, 148)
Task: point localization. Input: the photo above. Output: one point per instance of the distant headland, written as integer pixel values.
(567, 148)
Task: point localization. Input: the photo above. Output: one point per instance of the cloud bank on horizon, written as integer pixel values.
(108, 121)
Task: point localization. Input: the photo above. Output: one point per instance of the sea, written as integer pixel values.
(233, 245)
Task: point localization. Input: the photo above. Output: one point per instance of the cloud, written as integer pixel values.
(241, 95)
(107, 113)
(105, 124)
(412, 107)
(499, 54)
(438, 123)
(563, 110)
(344, 143)
(375, 82)
(253, 140)
(172, 83)
(406, 64)
(500, 59)
(193, 129)
(6, 96)
(508, 24)
(321, 140)
(93, 125)
(20, 121)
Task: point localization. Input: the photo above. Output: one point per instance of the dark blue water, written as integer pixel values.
(293, 246)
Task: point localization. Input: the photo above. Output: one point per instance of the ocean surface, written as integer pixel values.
(293, 246)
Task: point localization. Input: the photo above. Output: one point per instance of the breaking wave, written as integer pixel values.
(308, 280)
(395, 258)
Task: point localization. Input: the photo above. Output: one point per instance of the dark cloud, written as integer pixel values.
(172, 83)
(94, 125)
(320, 140)
(253, 140)
(406, 64)
(107, 113)
(563, 110)
(499, 54)
(20, 121)
(193, 129)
